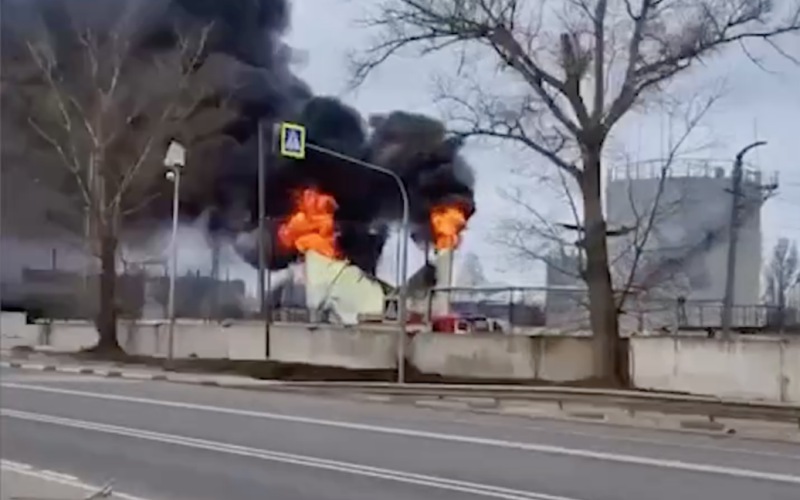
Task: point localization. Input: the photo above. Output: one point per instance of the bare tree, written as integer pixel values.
(781, 274)
(582, 66)
(96, 110)
(639, 215)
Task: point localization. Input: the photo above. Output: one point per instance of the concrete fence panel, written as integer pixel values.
(333, 346)
(15, 332)
(563, 359)
(745, 367)
(246, 341)
(489, 356)
(142, 339)
(791, 371)
(70, 335)
(507, 357)
(199, 340)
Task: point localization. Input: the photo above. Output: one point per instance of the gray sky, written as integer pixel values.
(757, 105)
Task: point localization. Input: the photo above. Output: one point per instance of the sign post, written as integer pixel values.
(293, 144)
(292, 140)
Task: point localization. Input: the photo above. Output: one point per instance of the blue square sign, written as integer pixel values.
(293, 141)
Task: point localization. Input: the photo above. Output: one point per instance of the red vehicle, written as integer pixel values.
(456, 323)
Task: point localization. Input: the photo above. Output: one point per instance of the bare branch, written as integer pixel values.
(635, 283)
(599, 61)
(71, 164)
(106, 108)
(711, 26)
(624, 52)
(194, 55)
(481, 114)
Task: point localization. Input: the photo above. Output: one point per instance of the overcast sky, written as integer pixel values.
(757, 105)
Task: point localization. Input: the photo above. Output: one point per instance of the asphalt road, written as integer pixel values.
(163, 441)
(19, 481)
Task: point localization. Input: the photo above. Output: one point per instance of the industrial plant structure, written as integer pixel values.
(674, 228)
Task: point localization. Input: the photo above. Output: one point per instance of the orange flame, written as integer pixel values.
(311, 225)
(447, 222)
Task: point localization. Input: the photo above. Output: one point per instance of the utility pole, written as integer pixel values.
(733, 239)
(262, 271)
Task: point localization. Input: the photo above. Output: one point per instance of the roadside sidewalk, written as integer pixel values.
(20, 481)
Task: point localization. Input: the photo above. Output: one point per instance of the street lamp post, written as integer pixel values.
(174, 160)
(404, 235)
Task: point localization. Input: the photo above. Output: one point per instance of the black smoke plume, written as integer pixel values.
(248, 33)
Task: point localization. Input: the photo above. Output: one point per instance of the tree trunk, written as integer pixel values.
(608, 355)
(107, 315)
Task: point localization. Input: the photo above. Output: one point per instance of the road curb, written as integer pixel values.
(687, 424)
(101, 372)
(475, 405)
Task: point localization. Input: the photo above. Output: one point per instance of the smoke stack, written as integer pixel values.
(443, 262)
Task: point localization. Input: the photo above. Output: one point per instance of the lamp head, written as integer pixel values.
(176, 155)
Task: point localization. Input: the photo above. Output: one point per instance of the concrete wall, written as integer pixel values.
(334, 346)
(294, 343)
(15, 332)
(492, 356)
(747, 367)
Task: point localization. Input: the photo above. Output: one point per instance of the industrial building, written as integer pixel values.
(680, 272)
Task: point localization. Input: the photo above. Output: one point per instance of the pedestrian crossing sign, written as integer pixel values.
(293, 140)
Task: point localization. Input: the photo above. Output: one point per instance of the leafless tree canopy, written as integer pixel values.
(588, 62)
(570, 72)
(782, 272)
(91, 113)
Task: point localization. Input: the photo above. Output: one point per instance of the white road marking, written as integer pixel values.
(437, 436)
(289, 458)
(10, 464)
(613, 435)
(58, 475)
(496, 424)
(59, 478)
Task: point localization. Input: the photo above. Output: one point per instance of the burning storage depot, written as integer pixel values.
(220, 193)
(352, 296)
(342, 289)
